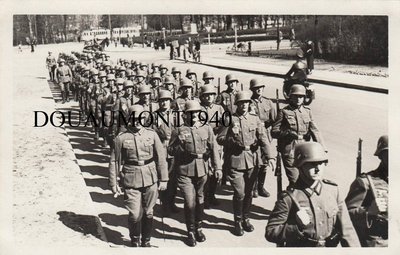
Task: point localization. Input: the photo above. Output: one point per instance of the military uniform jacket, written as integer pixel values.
(63, 74)
(242, 141)
(192, 147)
(291, 120)
(163, 123)
(142, 158)
(215, 113)
(327, 211)
(360, 197)
(227, 100)
(51, 61)
(264, 108)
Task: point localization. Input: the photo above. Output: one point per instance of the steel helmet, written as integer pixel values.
(383, 144)
(102, 74)
(300, 53)
(128, 84)
(144, 89)
(154, 65)
(242, 96)
(162, 66)
(61, 60)
(156, 75)
(169, 80)
(107, 63)
(208, 75)
(175, 70)
(130, 73)
(137, 109)
(86, 69)
(185, 82)
(192, 106)
(140, 73)
(255, 84)
(122, 68)
(110, 77)
(309, 152)
(143, 64)
(119, 81)
(164, 94)
(189, 71)
(94, 72)
(297, 89)
(207, 89)
(229, 78)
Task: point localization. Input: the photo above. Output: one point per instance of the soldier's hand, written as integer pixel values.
(303, 218)
(218, 175)
(116, 190)
(271, 164)
(162, 186)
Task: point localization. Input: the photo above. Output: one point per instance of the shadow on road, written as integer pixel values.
(85, 224)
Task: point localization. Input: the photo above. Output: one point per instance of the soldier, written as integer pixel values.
(163, 123)
(227, 97)
(193, 145)
(169, 84)
(155, 82)
(51, 64)
(176, 73)
(311, 213)
(83, 86)
(140, 79)
(264, 108)
(140, 154)
(122, 72)
(186, 89)
(298, 71)
(368, 201)
(214, 116)
(145, 99)
(191, 75)
(294, 124)
(64, 76)
(208, 78)
(163, 71)
(246, 139)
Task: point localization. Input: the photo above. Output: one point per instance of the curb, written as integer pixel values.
(277, 75)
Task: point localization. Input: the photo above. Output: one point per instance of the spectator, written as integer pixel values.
(310, 56)
(279, 39)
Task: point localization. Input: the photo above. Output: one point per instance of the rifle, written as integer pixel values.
(278, 169)
(241, 86)
(219, 85)
(359, 157)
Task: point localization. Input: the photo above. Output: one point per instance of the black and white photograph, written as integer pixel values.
(199, 127)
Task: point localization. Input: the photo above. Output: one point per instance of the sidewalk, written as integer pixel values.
(266, 67)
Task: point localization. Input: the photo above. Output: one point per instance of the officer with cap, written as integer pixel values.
(64, 77)
(264, 108)
(294, 124)
(227, 97)
(214, 114)
(193, 145)
(246, 139)
(311, 213)
(164, 122)
(367, 200)
(138, 159)
(186, 91)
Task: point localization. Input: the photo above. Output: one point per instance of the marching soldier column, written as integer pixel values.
(167, 131)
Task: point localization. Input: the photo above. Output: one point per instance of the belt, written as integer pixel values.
(196, 155)
(316, 242)
(139, 162)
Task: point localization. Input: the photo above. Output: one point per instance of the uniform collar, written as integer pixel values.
(316, 187)
(257, 98)
(244, 116)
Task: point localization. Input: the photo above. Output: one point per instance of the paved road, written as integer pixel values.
(343, 116)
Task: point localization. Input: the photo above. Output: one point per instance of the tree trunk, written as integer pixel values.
(65, 18)
(30, 26)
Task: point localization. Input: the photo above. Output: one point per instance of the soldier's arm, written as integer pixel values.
(272, 115)
(349, 236)
(175, 146)
(354, 202)
(276, 127)
(316, 134)
(263, 141)
(161, 160)
(278, 229)
(212, 145)
(115, 161)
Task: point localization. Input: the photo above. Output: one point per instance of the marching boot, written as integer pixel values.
(67, 95)
(247, 226)
(190, 219)
(147, 227)
(237, 212)
(191, 241)
(255, 190)
(134, 233)
(260, 185)
(200, 237)
(63, 96)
